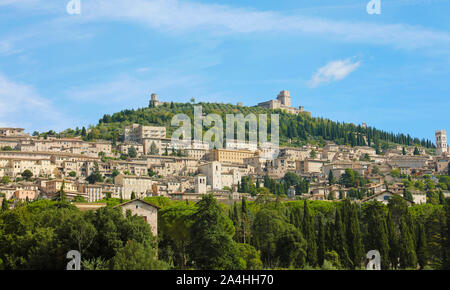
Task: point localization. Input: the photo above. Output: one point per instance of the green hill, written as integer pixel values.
(295, 130)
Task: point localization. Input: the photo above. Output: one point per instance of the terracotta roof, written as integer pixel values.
(138, 199)
(383, 192)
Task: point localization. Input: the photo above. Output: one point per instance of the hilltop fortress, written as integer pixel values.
(282, 102)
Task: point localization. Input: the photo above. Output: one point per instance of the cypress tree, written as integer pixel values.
(393, 242)
(4, 204)
(234, 216)
(321, 247)
(339, 243)
(330, 178)
(377, 236)
(296, 218)
(421, 249)
(441, 197)
(245, 221)
(354, 238)
(408, 257)
(61, 193)
(445, 232)
(329, 236)
(310, 236)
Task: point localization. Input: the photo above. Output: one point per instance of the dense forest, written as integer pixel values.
(294, 129)
(267, 233)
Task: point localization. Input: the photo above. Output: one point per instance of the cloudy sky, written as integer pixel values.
(61, 70)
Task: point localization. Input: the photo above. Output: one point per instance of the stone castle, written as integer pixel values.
(282, 102)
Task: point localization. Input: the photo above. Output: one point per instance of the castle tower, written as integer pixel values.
(441, 142)
(285, 98)
(154, 101)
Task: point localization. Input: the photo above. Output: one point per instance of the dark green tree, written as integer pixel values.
(291, 248)
(309, 234)
(331, 180)
(137, 256)
(339, 240)
(408, 257)
(132, 152)
(421, 247)
(394, 250)
(245, 222)
(61, 194)
(175, 222)
(212, 245)
(153, 149)
(445, 232)
(27, 174)
(5, 205)
(95, 176)
(354, 236)
(267, 228)
(115, 173)
(376, 237)
(321, 244)
(407, 194)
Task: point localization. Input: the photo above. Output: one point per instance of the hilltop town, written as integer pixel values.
(143, 162)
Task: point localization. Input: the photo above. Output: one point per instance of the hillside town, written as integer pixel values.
(146, 163)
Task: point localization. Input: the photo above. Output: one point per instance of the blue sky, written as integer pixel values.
(390, 70)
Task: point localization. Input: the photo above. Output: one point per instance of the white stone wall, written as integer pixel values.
(142, 209)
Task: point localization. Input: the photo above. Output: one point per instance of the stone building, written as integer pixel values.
(12, 132)
(140, 185)
(213, 173)
(144, 209)
(283, 102)
(154, 101)
(229, 156)
(200, 184)
(136, 132)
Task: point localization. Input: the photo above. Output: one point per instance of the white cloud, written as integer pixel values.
(181, 16)
(333, 71)
(22, 106)
(178, 16)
